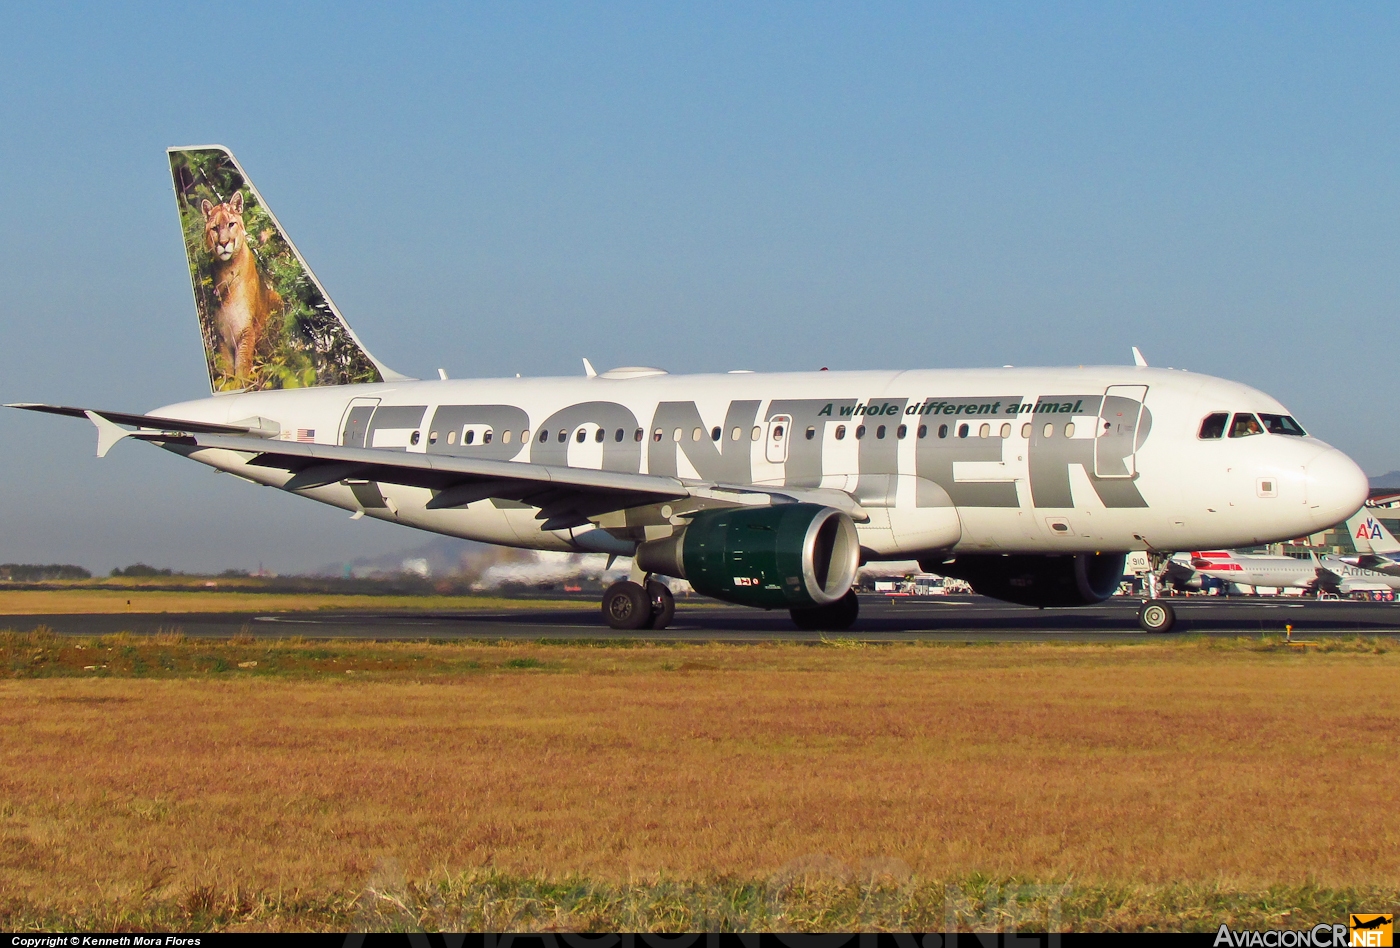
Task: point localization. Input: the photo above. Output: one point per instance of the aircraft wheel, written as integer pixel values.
(1156, 616)
(626, 606)
(836, 617)
(663, 605)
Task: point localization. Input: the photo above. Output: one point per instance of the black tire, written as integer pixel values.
(625, 606)
(836, 617)
(1156, 616)
(663, 605)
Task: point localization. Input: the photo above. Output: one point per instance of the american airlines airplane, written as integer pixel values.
(766, 490)
(1243, 569)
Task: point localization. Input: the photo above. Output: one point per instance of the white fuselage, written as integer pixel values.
(1245, 569)
(1355, 578)
(1050, 460)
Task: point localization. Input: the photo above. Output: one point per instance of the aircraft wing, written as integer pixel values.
(1378, 564)
(566, 496)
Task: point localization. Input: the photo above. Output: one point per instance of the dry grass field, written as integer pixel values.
(76, 600)
(1179, 783)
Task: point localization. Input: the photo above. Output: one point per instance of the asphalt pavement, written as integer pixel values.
(951, 618)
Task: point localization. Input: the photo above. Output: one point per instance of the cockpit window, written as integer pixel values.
(1282, 424)
(1245, 425)
(1214, 426)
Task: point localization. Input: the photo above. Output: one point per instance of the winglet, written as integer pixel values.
(108, 432)
(588, 369)
(1137, 357)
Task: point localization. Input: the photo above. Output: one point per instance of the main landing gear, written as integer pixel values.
(629, 607)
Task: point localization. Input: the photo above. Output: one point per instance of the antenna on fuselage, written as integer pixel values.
(1137, 357)
(588, 369)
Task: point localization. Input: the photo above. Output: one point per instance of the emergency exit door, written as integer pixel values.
(779, 433)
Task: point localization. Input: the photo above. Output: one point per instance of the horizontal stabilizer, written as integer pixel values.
(153, 422)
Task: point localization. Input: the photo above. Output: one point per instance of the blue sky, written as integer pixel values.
(506, 188)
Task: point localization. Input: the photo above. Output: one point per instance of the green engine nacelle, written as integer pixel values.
(779, 557)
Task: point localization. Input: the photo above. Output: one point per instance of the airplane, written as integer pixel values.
(1337, 575)
(1376, 549)
(1191, 570)
(762, 489)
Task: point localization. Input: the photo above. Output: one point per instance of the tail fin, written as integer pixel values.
(265, 319)
(1368, 536)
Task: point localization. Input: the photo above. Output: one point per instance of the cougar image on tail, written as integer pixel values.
(265, 321)
(245, 300)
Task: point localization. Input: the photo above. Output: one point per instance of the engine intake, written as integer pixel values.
(1072, 579)
(783, 556)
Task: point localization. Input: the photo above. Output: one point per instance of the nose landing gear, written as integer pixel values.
(1156, 616)
(627, 606)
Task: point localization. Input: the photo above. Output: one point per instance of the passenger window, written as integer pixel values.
(452, 437)
(1069, 430)
(618, 435)
(1026, 430)
(1282, 425)
(1214, 426)
(716, 433)
(757, 433)
(1245, 425)
(860, 432)
(524, 435)
(811, 432)
(942, 431)
(736, 434)
(923, 431)
(880, 432)
(637, 435)
(777, 432)
(486, 436)
(1049, 431)
(657, 435)
(962, 431)
(505, 436)
(840, 432)
(985, 431)
(432, 437)
(413, 438)
(563, 435)
(676, 434)
(469, 436)
(1006, 430)
(599, 435)
(901, 431)
(697, 434)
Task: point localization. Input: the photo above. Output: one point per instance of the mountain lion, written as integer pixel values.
(245, 300)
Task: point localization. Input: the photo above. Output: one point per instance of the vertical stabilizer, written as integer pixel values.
(265, 320)
(1369, 536)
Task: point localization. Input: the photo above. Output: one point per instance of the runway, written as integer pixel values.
(946, 619)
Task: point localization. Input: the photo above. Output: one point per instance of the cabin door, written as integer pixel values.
(1116, 440)
(356, 422)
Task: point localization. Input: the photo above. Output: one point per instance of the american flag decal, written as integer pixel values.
(306, 434)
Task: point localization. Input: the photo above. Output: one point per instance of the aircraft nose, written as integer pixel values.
(1336, 487)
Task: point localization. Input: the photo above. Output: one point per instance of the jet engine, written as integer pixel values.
(1069, 579)
(787, 556)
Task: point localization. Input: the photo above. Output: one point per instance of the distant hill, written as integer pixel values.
(1389, 480)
